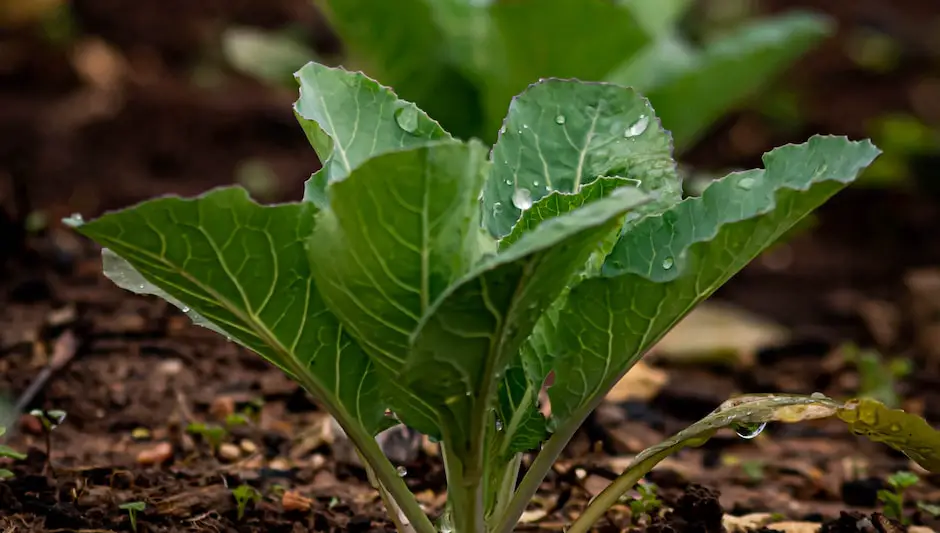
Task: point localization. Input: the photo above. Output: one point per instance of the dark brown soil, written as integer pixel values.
(81, 139)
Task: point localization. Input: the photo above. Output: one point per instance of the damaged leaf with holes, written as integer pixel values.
(433, 282)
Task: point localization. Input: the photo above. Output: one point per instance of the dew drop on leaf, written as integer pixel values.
(522, 199)
(499, 425)
(668, 263)
(497, 208)
(185, 309)
(637, 127)
(817, 396)
(749, 431)
(407, 118)
(746, 183)
(560, 119)
(402, 471)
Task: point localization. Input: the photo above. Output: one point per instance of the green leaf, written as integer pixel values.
(905, 432)
(5, 474)
(755, 409)
(731, 69)
(349, 118)
(660, 17)
(400, 230)
(524, 426)
(412, 46)
(657, 64)
(560, 135)
(10, 453)
(666, 264)
(468, 338)
(533, 39)
(242, 269)
(269, 56)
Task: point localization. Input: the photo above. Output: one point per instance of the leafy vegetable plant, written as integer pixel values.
(464, 60)
(426, 276)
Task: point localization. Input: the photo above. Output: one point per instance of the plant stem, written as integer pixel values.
(383, 469)
(544, 461)
(617, 488)
(506, 487)
(464, 497)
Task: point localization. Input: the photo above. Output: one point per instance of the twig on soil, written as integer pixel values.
(63, 350)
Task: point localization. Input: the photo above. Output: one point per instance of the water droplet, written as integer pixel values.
(508, 182)
(407, 117)
(497, 208)
(525, 126)
(749, 431)
(536, 183)
(668, 263)
(746, 183)
(499, 425)
(74, 221)
(402, 471)
(560, 119)
(637, 127)
(522, 199)
(185, 309)
(141, 286)
(817, 396)
(502, 130)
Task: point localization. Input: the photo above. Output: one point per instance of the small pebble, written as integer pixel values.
(159, 453)
(229, 452)
(248, 447)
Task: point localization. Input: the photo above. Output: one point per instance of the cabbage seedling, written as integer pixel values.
(442, 281)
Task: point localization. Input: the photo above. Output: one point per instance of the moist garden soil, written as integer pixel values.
(142, 120)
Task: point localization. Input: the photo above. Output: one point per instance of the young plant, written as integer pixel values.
(463, 61)
(132, 509)
(878, 378)
(50, 420)
(893, 500)
(8, 453)
(212, 435)
(444, 282)
(647, 502)
(245, 494)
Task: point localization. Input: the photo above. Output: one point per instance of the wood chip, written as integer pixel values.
(294, 501)
(159, 453)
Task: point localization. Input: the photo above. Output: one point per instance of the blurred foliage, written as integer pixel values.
(878, 377)
(905, 138)
(463, 60)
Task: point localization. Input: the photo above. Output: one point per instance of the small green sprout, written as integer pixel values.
(878, 377)
(893, 500)
(236, 419)
(753, 469)
(244, 494)
(50, 420)
(132, 509)
(213, 435)
(645, 503)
